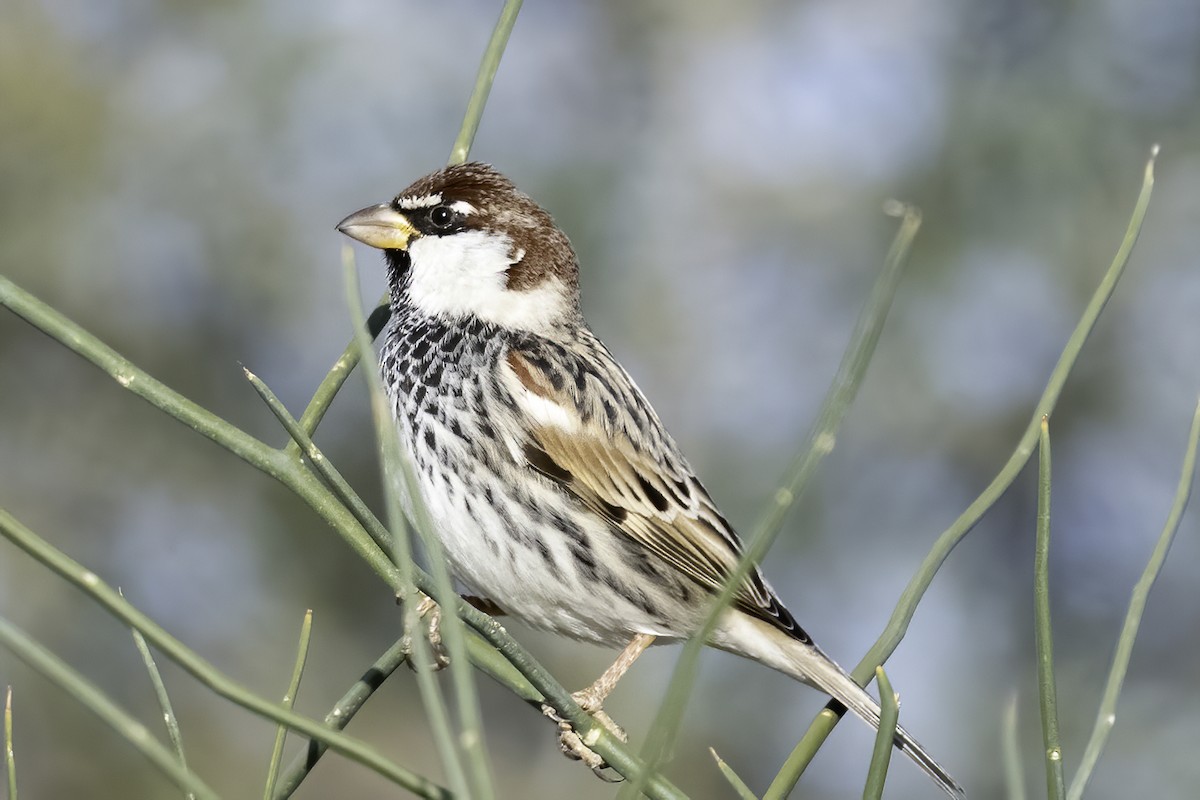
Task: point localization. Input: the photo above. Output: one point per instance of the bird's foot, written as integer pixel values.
(429, 616)
(579, 747)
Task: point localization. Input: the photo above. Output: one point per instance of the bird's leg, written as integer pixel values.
(430, 614)
(591, 700)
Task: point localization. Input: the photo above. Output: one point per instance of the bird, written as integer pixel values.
(555, 490)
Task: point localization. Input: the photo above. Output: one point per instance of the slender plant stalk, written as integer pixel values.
(10, 756)
(170, 721)
(1107, 715)
(820, 443)
(317, 461)
(394, 470)
(91, 697)
(1047, 694)
(108, 599)
(339, 717)
(897, 625)
(1014, 770)
(484, 77)
(739, 785)
(483, 81)
(289, 702)
(483, 656)
(312, 491)
(881, 756)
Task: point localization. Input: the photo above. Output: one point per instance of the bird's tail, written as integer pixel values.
(807, 663)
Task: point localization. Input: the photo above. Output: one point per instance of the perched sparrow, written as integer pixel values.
(555, 489)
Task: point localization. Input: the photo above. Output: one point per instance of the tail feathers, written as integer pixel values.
(813, 667)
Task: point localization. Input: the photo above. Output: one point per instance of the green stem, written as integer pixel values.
(906, 607)
(1014, 771)
(317, 460)
(739, 785)
(820, 443)
(164, 702)
(108, 599)
(10, 756)
(289, 702)
(318, 497)
(1047, 694)
(96, 701)
(1107, 715)
(339, 717)
(483, 81)
(333, 381)
(394, 468)
(881, 755)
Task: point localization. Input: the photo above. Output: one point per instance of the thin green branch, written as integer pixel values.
(339, 717)
(802, 755)
(96, 701)
(1014, 770)
(312, 491)
(881, 755)
(483, 81)
(333, 381)
(1044, 633)
(10, 756)
(739, 785)
(906, 607)
(316, 459)
(170, 721)
(394, 469)
(330, 385)
(820, 443)
(108, 599)
(483, 656)
(289, 702)
(1107, 715)
(120, 369)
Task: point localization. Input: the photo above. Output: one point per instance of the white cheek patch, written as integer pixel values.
(466, 275)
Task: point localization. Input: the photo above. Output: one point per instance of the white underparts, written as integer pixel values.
(466, 274)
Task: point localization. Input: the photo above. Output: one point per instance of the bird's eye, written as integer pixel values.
(441, 216)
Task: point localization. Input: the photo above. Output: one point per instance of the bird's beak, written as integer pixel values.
(379, 226)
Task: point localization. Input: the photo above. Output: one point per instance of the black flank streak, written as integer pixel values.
(544, 552)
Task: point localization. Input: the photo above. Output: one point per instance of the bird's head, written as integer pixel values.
(464, 242)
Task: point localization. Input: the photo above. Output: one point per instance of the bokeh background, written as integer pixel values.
(170, 173)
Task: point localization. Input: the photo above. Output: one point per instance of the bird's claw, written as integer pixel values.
(429, 616)
(579, 747)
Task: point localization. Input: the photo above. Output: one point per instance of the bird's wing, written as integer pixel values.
(625, 467)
